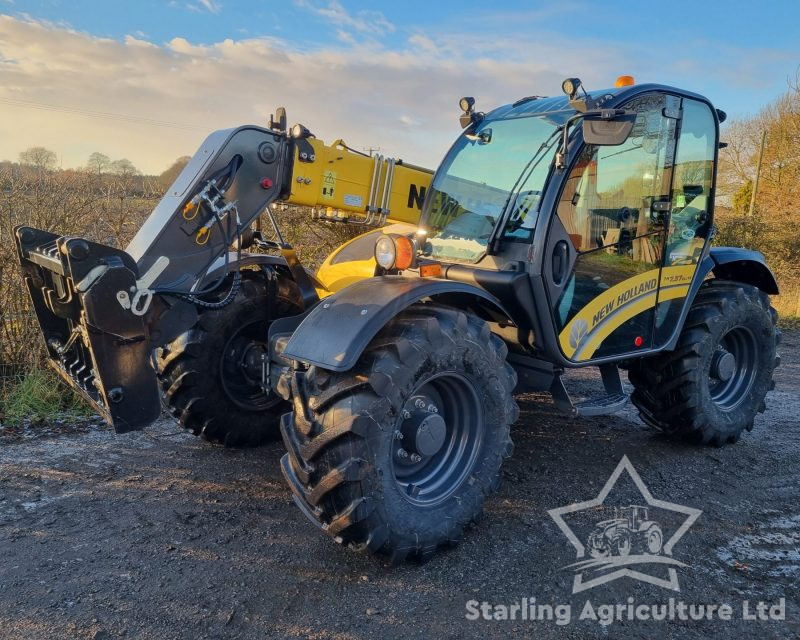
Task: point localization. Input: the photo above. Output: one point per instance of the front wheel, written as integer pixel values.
(622, 545)
(211, 376)
(397, 455)
(710, 388)
(653, 539)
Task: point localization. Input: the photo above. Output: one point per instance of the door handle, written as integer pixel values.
(560, 259)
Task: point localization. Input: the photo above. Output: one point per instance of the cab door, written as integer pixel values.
(613, 216)
(691, 214)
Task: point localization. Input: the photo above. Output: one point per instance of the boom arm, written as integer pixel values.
(102, 310)
(374, 188)
(237, 173)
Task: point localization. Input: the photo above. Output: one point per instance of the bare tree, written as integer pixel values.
(98, 162)
(124, 168)
(40, 157)
(168, 177)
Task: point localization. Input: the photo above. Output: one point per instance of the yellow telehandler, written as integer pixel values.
(559, 232)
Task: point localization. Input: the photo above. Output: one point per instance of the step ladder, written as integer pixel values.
(614, 401)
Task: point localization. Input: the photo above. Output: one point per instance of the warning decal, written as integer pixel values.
(328, 184)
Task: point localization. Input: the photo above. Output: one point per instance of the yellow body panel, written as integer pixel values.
(344, 180)
(354, 260)
(344, 183)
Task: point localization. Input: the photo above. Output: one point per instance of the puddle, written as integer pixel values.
(773, 548)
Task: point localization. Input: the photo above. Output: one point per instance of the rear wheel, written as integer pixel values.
(212, 376)
(397, 455)
(710, 388)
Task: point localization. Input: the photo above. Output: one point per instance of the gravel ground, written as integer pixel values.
(159, 535)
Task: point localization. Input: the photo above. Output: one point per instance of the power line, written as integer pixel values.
(101, 115)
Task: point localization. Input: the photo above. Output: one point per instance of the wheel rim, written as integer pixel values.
(733, 368)
(437, 438)
(240, 368)
(623, 546)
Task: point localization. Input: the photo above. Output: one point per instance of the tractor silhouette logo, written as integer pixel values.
(630, 531)
(630, 539)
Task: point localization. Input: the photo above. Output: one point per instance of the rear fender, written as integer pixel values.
(741, 265)
(727, 263)
(336, 332)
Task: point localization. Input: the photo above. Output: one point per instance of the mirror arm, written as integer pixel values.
(561, 153)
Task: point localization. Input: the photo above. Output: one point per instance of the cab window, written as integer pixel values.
(609, 195)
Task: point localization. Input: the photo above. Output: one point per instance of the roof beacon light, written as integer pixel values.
(624, 81)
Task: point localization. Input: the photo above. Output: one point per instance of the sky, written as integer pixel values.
(147, 80)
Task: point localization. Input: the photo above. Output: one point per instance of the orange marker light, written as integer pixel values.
(624, 81)
(430, 270)
(405, 252)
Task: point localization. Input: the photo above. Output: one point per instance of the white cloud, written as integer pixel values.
(365, 22)
(404, 101)
(132, 41)
(211, 5)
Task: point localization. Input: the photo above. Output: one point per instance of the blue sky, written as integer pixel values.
(381, 74)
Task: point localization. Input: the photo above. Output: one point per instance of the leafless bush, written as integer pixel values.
(107, 209)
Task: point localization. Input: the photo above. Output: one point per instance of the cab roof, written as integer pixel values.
(558, 108)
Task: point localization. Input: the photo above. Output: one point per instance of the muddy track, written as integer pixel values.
(159, 535)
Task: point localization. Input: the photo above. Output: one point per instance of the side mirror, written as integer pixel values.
(607, 132)
(277, 122)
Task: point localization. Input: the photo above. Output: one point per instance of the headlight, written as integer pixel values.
(299, 131)
(385, 252)
(394, 252)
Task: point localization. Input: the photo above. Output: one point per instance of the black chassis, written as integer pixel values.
(518, 297)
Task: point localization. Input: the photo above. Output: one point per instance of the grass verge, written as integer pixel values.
(40, 396)
(791, 323)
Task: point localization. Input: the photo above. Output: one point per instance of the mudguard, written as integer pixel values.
(307, 283)
(727, 263)
(235, 263)
(741, 265)
(337, 330)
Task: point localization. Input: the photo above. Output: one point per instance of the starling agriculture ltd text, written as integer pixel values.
(606, 614)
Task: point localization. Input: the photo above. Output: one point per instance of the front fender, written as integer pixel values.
(337, 330)
(235, 262)
(308, 284)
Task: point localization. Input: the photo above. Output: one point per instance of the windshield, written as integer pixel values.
(503, 161)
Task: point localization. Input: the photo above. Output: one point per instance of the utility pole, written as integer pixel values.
(758, 174)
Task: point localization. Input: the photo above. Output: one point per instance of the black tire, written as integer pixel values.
(343, 449)
(204, 390)
(683, 392)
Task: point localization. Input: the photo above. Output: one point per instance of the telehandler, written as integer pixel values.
(198, 301)
(557, 232)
